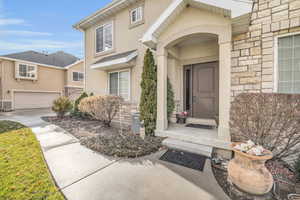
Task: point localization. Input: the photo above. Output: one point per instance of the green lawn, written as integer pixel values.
(23, 172)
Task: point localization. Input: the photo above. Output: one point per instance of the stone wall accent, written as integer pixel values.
(73, 92)
(5, 106)
(253, 52)
(126, 113)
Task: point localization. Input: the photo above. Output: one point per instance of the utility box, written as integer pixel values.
(136, 123)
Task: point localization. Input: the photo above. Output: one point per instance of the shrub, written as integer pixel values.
(102, 108)
(271, 120)
(297, 168)
(170, 99)
(148, 102)
(76, 112)
(61, 106)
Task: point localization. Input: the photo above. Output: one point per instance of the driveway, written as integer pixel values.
(82, 174)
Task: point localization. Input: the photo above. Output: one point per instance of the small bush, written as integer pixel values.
(61, 106)
(297, 168)
(76, 112)
(102, 108)
(270, 120)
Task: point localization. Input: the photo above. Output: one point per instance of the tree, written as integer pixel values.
(170, 99)
(76, 112)
(148, 101)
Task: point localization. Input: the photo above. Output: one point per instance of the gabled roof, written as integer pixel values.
(169, 15)
(58, 59)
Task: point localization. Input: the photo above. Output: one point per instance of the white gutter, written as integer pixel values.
(75, 63)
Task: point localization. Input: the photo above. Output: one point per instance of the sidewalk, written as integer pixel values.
(82, 174)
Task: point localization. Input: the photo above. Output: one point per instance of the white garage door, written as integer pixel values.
(27, 100)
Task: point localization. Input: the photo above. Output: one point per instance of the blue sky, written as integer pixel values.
(43, 25)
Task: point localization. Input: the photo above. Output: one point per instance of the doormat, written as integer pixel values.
(209, 127)
(186, 159)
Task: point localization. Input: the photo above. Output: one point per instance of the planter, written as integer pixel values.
(180, 119)
(249, 173)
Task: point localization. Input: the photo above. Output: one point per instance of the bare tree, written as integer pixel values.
(271, 120)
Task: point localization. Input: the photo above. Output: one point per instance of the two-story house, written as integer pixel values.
(34, 80)
(210, 50)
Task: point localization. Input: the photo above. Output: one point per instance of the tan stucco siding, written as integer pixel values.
(49, 79)
(126, 38)
(196, 20)
(79, 67)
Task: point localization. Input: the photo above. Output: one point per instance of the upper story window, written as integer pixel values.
(119, 84)
(78, 76)
(136, 15)
(289, 64)
(26, 71)
(104, 37)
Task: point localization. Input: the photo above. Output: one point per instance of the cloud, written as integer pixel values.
(11, 21)
(38, 44)
(23, 33)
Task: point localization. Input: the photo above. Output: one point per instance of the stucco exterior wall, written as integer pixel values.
(253, 53)
(79, 67)
(49, 79)
(126, 38)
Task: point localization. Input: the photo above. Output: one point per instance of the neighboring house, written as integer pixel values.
(210, 50)
(33, 80)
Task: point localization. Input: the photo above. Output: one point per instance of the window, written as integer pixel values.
(136, 15)
(78, 76)
(26, 71)
(119, 84)
(104, 38)
(289, 64)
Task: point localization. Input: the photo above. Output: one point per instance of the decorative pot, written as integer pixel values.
(249, 173)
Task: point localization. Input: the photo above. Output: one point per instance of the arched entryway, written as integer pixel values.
(198, 62)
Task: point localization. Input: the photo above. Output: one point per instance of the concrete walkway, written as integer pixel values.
(82, 174)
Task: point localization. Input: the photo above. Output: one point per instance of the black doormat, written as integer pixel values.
(186, 159)
(200, 126)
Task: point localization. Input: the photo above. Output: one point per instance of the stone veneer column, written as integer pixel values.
(224, 90)
(162, 73)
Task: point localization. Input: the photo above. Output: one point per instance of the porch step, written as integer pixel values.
(188, 147)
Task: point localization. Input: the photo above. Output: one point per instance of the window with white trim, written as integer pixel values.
(119, 84)
(289, 64)
(136, 15)
(104, 38)
(26, 71)
(78, 76)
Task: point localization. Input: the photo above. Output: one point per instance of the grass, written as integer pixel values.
(23, 171)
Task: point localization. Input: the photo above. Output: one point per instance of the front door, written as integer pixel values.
(205, 90)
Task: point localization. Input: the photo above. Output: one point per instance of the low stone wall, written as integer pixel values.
(125, 115)
(5, 106)
(73, 92)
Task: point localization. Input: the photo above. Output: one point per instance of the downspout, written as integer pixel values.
(1, 84)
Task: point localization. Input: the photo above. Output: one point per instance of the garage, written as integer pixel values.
(28, 100)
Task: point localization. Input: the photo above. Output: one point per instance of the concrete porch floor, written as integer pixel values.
(194, 135)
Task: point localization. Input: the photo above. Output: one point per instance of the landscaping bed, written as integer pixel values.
(111, 141)
(23, 171)
(284, 178)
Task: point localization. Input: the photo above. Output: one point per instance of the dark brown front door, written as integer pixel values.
(205, 90)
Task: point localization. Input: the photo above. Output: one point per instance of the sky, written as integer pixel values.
(44, 25)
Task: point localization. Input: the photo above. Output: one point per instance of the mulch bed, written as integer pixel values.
(111, 141)
(284, 179)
